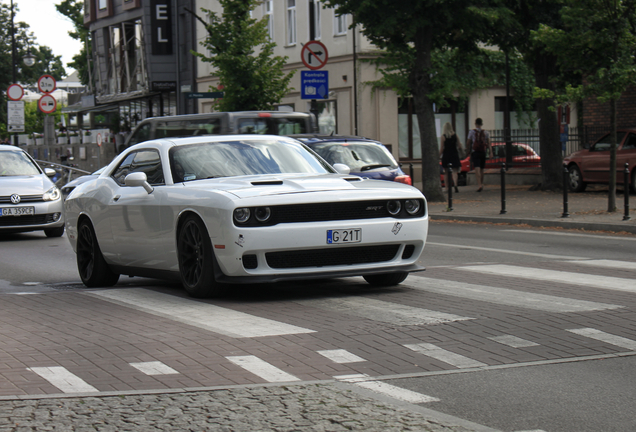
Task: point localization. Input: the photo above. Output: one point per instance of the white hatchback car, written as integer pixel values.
(29, 201)
(217, 210)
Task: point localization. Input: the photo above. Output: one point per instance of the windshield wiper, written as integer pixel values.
(370, 167)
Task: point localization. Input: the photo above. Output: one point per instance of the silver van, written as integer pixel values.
(222, 123)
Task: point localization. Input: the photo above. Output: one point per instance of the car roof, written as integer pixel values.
(220, 114)
(316, 138)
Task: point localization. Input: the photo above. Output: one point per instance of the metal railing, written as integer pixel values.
(66, 172)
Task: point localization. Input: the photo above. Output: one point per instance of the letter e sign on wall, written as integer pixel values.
(161, 23)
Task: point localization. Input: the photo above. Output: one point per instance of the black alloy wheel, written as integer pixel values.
(92, 268)
(196, 260)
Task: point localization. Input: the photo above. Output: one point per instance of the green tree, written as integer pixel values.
(597, 41)
(73, 10)
(413, 31)
(243, 55)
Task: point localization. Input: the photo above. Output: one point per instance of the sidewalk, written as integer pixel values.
(523, 206)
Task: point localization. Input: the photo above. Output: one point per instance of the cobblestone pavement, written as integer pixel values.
(315, 407)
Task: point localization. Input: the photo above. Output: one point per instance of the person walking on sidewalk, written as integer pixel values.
(449, 151)
(478, 145)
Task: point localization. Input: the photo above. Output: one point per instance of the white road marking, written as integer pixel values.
(606, 337)
(449, 357)
(621, 265)
(154, 368)
(341, 356)
(507, 251)
(64, 380)
(262, 369)
(390, 390)
(504, 296)
(202, 315)
(387, 312)
(555, 233)
(605, 282)
(513, 341)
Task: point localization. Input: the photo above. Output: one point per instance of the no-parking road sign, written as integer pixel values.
(314, 55)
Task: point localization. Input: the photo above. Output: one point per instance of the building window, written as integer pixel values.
(103, 4)
(268, 11)
(339, 24)
(291, 22)
(314, 19)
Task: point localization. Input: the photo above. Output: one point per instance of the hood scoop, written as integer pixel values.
(350, 179)
(267, 183)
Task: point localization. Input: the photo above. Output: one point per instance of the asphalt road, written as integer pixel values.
(511, 328)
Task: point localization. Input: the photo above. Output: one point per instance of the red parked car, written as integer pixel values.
(592, 165)
(522, 155)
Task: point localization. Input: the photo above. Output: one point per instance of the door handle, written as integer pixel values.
(116, 198)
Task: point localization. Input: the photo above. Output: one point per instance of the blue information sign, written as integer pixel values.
(314, 84)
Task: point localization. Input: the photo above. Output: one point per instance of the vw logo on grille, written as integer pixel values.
(15, 199)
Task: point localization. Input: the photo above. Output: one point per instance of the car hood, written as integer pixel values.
(78, 181)
(25, 185)
(255, 186)
(575, 155)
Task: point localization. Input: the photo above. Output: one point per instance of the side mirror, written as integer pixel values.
(50, 172)
(342, 168)
(138, 179)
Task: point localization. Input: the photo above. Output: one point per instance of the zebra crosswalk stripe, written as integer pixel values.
(621, 265)
(154, 368)
(64, 380)
(262, 369)
(606, 337)
(399, 393)
(605, 282)
(441, 354)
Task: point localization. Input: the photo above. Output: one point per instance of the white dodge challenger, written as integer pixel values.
(214, 211)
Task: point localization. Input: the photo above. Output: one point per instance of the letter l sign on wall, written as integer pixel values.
(161, 24)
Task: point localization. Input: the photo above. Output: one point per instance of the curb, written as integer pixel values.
(540, 223)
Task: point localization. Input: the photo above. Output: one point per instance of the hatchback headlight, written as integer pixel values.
(52, 194)
(242, 215)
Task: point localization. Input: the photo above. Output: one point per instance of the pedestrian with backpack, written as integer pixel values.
(478, 145)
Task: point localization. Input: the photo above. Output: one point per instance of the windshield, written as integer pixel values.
(359, 156)
(16, 164)
(242, 157)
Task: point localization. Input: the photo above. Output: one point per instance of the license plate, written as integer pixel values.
(17, 211)
(349, 235)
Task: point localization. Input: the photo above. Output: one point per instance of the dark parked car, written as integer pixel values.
(365, 158)
(592, 165)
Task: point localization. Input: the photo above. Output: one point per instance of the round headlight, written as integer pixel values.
(262, 214)
(393, 207)
(412, 207)
(242, 215)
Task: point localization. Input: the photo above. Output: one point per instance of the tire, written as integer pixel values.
(575, 180)
(92, 268)
(386, 279)
(196, 260)
(54, 232)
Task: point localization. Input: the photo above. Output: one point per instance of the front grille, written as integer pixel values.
(23, 199)
(41, 219)
(332, 256)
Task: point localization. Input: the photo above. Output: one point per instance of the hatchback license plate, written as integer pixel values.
(349, 235)
(17, 211)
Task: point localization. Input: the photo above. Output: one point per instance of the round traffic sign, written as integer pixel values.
(47, 104)
(15, 92)
(314, 55)
(46, 84)
(99, 140)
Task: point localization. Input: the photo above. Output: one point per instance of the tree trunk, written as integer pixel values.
(611, 197)
(549, 143)
(419, 81)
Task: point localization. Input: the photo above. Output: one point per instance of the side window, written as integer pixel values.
(142, 134)
(630, 142)
(123, 169)
(605, 143)
(519, 151)
(147, 161)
